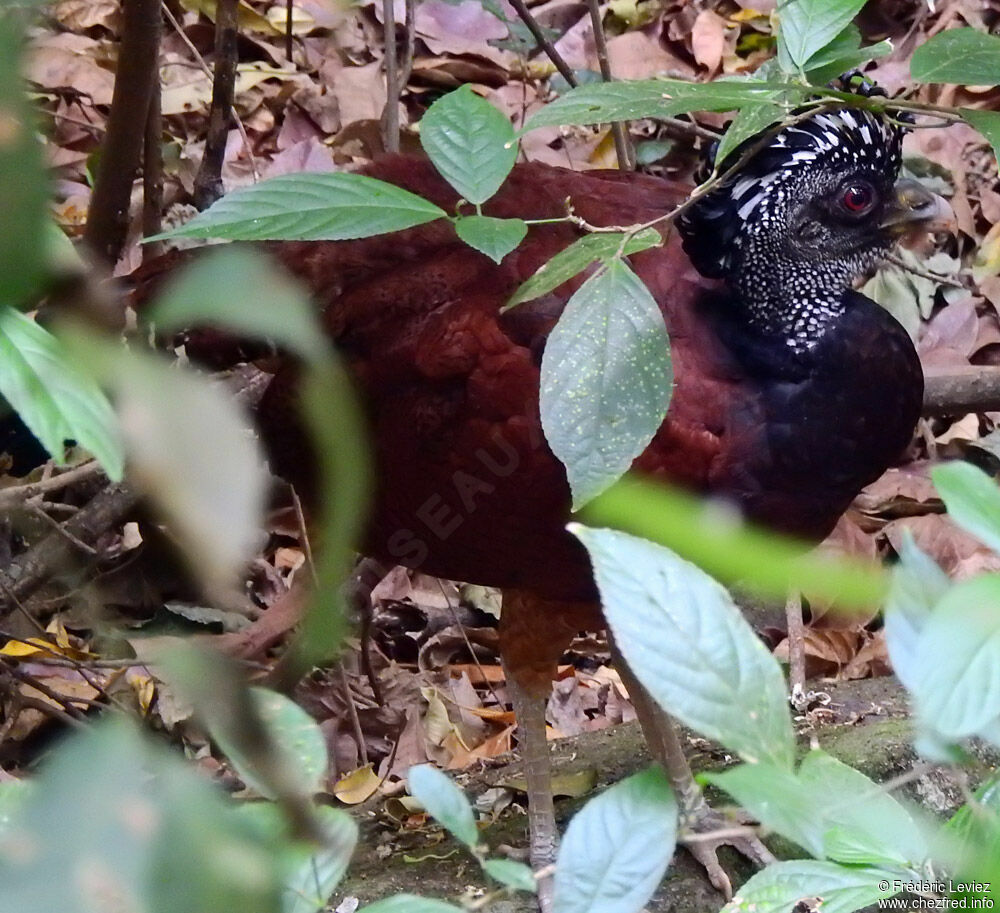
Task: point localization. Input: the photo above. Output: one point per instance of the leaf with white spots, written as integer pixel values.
(808, 26)
(686, 641)
(578, 256)
(612, 101)
(819, 885)
(606, 379)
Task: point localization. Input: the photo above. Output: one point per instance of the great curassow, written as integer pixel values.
(792, 390)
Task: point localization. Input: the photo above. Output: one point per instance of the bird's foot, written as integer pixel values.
(704, 830)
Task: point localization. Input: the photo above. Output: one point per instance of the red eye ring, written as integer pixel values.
(857, 198)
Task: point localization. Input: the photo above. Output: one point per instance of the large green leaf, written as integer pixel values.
(235, 289)
(241, 289)
(689, 645)
(957, 694)
(410, 903)
(918, 584)
(438, 793)
(310, 207)
(612, 101)
(972, 837)
(965, 56)
(56, 400)
(578, 256)
(807, 26)
(843, 889)
(758, 560)
(470, 142)
(750, 121)
(842, 54)
(128, 825)
(987, 123)
(617, 847)
(606, 379)
(311, 874)
(972, 499)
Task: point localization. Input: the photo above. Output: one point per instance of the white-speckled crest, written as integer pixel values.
(846, 139)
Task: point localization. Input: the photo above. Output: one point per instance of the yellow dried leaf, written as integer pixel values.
(247, 17)
(357, 786)
(143, 686)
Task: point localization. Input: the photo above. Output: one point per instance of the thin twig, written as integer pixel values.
(468, 644)
(713, 181)
(897, 261)
(538, 33)
(18, 494)
(288, 30)
(352, 712)
(723, 833)
(204, 67)
(390, 113)
(619, 129)
(406, 67)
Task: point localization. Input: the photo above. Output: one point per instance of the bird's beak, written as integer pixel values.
(914, 210)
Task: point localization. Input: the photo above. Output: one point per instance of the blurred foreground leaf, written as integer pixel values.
(714, 538)
(115, 820)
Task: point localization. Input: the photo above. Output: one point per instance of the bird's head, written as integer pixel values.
(819, 204)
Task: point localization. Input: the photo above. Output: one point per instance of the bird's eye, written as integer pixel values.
(857, 198)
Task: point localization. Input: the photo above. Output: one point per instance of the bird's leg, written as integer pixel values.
(533, 635)
(543, 836)
(698, 820)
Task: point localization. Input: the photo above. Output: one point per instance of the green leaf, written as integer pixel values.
(13, 795)
(964, 56)
(470, 142)
(240, 289)
(779, 887)
(311, 875)
(807, 26)
(437, 793)
(606, 379)
(871, 827)
(512, 874)
(750, 121)
(494, 237)
(842, 54)
(24, 187)
(612, 101)
(972, 499)
(294, 733)
(759, 560)
(957, 693)
(578, 256)
(987, 123)
(687, 642)
(190, 451)
(276, 747)
(231, 293)
(918, 584)
(775, 797)
(410, 903)
(56, 400)
(617, 847)
(310, 207)
(128, 823)
(973, 835)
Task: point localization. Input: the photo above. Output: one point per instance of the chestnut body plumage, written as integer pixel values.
(792, 391)
(466, 485)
